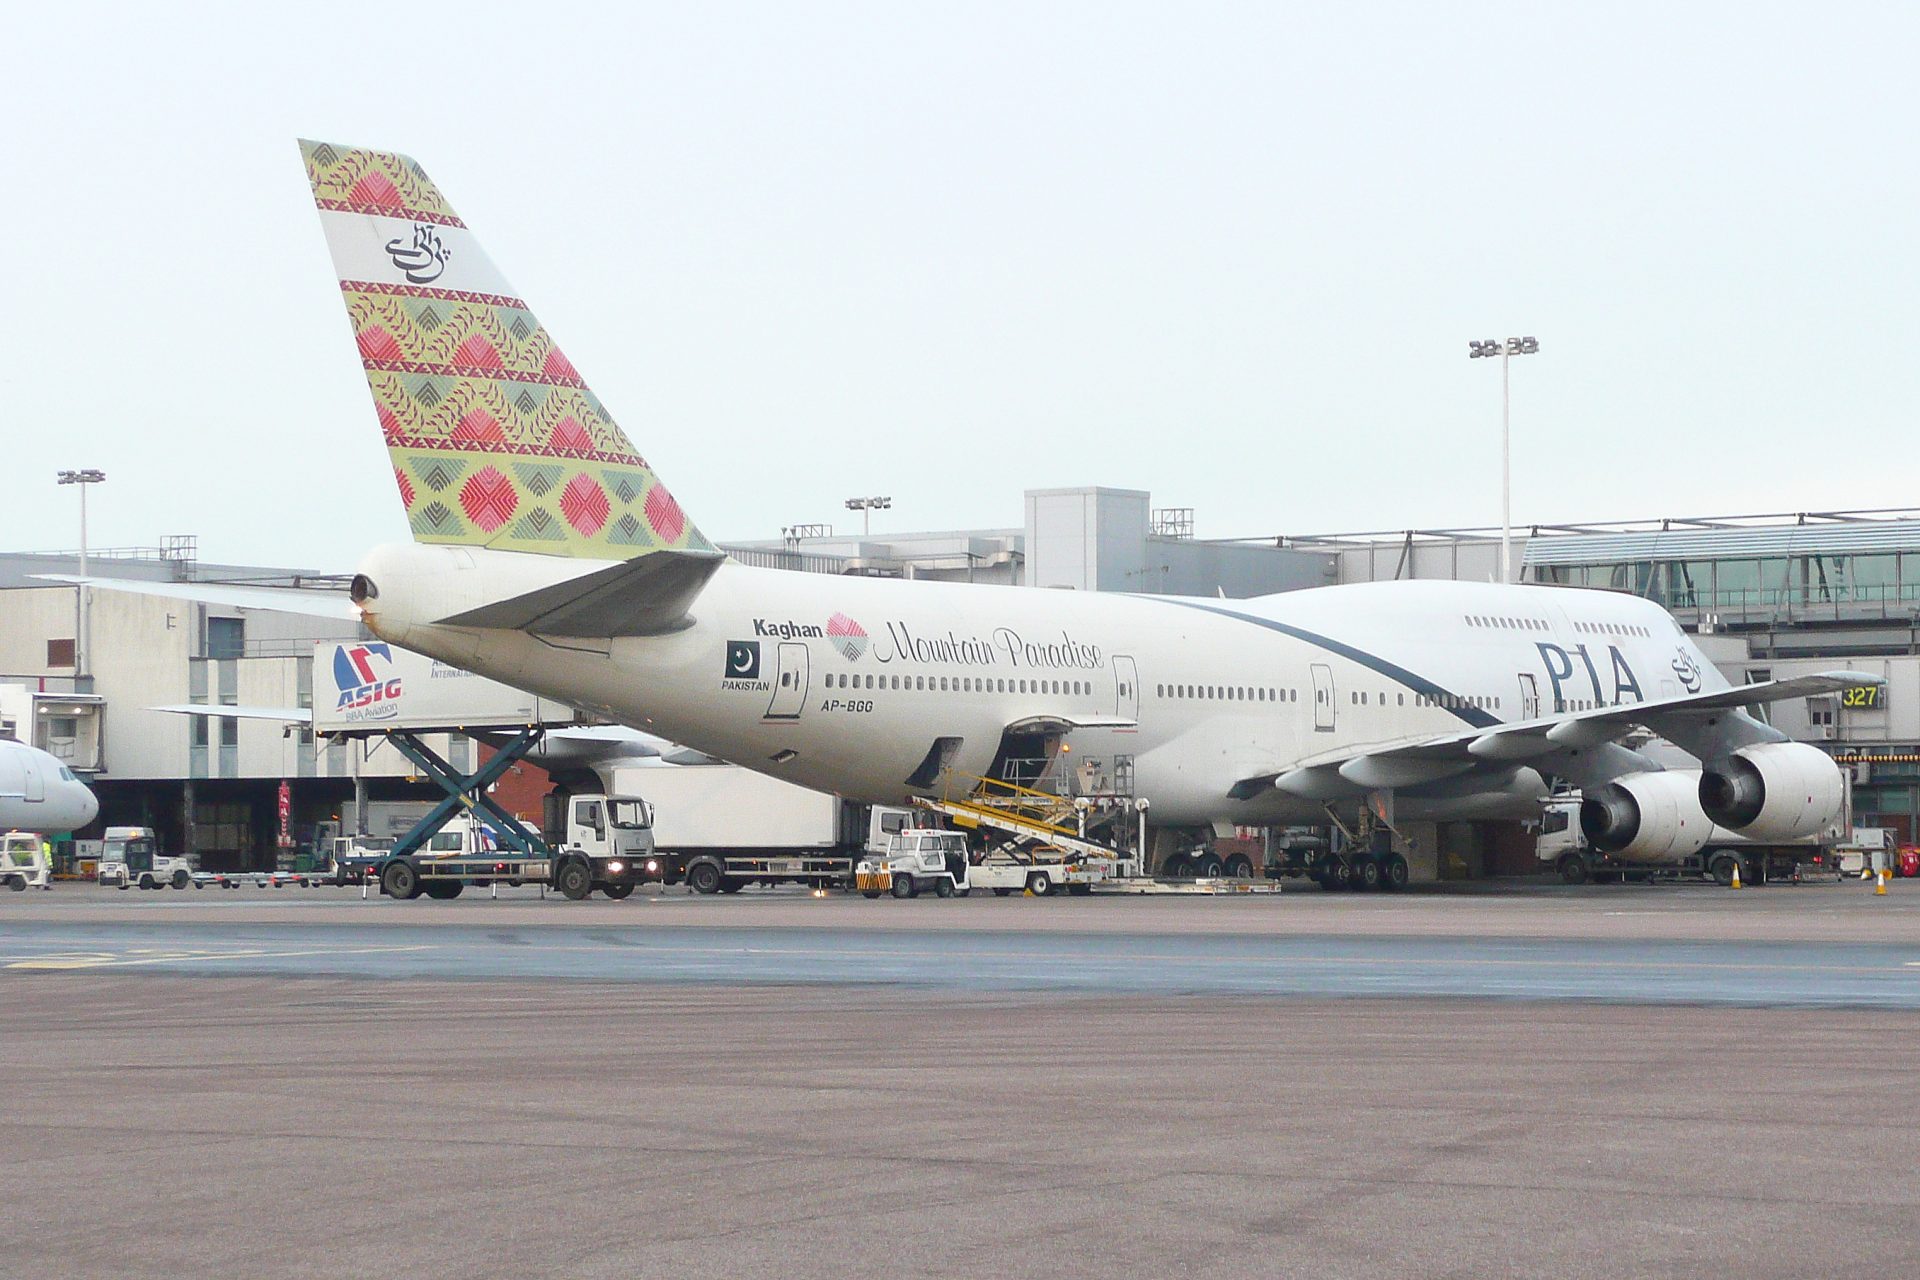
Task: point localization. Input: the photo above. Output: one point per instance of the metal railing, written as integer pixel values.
(1800, 603)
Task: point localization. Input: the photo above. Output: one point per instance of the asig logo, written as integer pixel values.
(368, 687)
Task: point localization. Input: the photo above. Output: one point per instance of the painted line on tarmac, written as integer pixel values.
(117, 960)
(1674, 966)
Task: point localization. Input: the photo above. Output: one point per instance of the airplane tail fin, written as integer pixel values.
(495, 438)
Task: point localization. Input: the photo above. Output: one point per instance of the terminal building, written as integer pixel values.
(1769, 596)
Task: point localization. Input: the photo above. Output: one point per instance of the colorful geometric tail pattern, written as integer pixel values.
(495, 439)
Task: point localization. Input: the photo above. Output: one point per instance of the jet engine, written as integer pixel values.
(1774, 791)
(1647, 817)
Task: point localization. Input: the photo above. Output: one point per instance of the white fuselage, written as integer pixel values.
(847, 684)
(38, 793)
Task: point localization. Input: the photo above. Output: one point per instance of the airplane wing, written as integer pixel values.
(224, 711)
(1414, 761)
(310, 601)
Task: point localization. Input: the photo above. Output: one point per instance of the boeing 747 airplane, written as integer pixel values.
(547, 554)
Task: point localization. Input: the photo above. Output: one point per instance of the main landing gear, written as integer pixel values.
(1357, 870)
(1368, 860)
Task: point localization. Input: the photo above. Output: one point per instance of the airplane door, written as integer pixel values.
(1529, 697)
(1322, 698)
(1126, 689)
(789, 681)
(36, 785)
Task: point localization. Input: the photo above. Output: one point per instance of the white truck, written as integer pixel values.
(591, 842)
(719, 827)
(130, 857)
(925, 859)
(24, 863)
(1564, 847)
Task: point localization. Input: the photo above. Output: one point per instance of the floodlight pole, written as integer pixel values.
(866, 507)
(1506, 351)
(83, 628)
(1506, 471)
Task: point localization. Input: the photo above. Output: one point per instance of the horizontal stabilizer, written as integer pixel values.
(645, 596)
(228, 711)
(315, 602)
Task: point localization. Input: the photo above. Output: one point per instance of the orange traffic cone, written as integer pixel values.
(1736, 874)
(1880, 884)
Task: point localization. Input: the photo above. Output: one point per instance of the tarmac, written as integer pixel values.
(1616, 1081)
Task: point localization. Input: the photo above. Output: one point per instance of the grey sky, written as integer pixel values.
(1231, 254)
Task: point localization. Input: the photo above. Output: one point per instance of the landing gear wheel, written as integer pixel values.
(1240, 867)
(400, 880)
(1331, 875)
(903, 887)
(1207, 866)
(180, 878)
(1365, 874)
(1175, 867)
(443, 890)
(618, 891)
(1394, 874)
(1573, 868)
(704, 877)
(1038, 885)
(574, 879)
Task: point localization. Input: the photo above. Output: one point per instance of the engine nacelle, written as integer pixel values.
(1774, 791)
(1647, 817)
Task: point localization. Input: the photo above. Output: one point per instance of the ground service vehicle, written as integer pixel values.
(1563, 846)
(591, 842)
(24, 863)
(917, 860)
(923, 860)
(130, 857)
(351, 857)
(719, 827)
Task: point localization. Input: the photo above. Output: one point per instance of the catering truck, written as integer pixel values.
(1564, 847)
(718, 827)
(587, 842)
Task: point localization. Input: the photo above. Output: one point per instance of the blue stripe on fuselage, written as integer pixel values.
(1472, 715)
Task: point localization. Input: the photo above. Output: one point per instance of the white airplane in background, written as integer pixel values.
(548, 555)
(38, 793)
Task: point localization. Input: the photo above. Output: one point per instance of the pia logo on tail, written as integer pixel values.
(368, 688)
(423, 258)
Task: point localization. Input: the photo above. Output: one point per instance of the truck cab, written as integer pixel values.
(24, 863)
(614, 833)
(350, 857)
(130, 857)
(917, 858)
